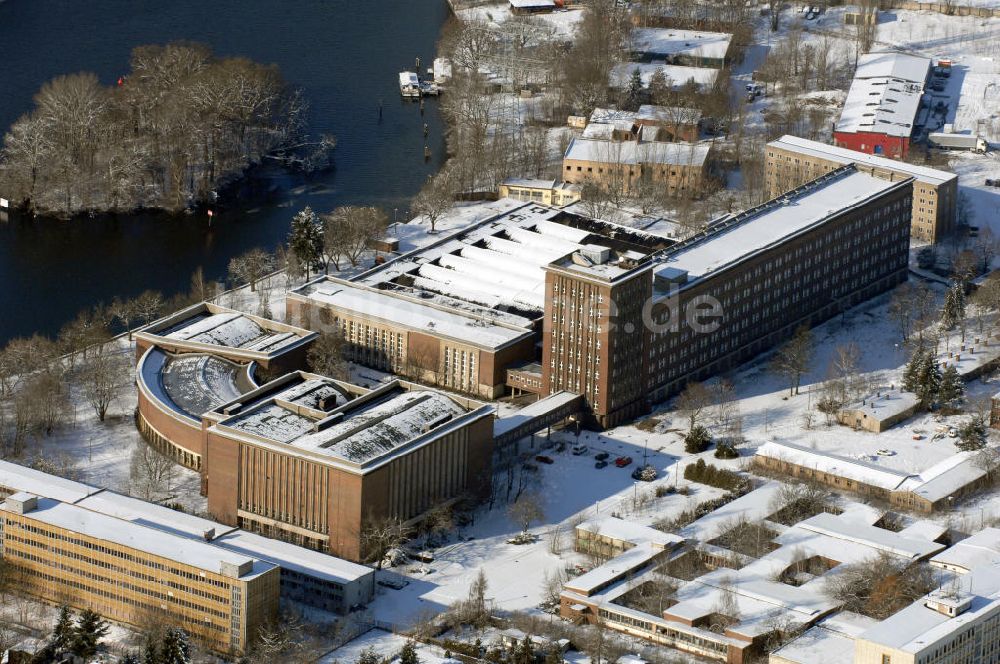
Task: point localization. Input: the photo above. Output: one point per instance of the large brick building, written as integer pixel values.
(462, 311)
(198, 358)
(618, 310)
(881, 110)
(304, 460)
(134, 574)
(630, 328)
(792, 161)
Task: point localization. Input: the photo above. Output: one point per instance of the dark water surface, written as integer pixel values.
(344, 54)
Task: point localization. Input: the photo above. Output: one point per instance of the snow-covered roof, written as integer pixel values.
(633, 152)
(358, 432)
(180, 524)
(629, 531)
(885, 94)
(668, 114)
(918, 628)
(902, 66)
(152, 541)
(878, 539)
(624, 564)
(207, 327)
(934, 483)
(831, 641)
(981, 549)
(193, 383)
(294, 558)
(664, 42)
(532, 4)
(601, 115)
(832, 464)
(380, 305)
(539, 408)
(946, 477)
(754, 506)
(380, 426)
(152, 515)
(841, 155)
(15, 478)
(677, 76)
(290, 413)
(529, 183)
(483, 285)
(727, 242)
(884, 404)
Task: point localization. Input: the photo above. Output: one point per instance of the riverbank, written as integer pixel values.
(50, 270)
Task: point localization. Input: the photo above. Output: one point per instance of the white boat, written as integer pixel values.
(409, 84)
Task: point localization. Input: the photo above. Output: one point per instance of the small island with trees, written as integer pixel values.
(179, 126)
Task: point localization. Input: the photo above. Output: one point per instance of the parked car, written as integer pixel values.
(579, 450)
(541, 458)
(601, 464)
(602, 456)
(623, 461)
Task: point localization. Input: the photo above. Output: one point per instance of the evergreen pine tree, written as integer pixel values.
(972, 435)
(151, 653)
(658, 88)
(129, 658)
(633, 95)
(911, 370)
(62, 633)
(368, 656)
(925, 379)
(90, 629)
(697, 440)
(175, 648)
(408, 654)
(952, 388)
(305, 240)
(953, 310)
(524, 652)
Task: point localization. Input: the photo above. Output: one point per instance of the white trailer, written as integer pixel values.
(945, 141)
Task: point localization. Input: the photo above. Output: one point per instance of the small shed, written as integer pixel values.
(533, 6)
(880, 411)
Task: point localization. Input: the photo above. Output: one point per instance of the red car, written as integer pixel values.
(623, 461)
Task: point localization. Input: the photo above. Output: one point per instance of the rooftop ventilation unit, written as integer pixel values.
(596, 254)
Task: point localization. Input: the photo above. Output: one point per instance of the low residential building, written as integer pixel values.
(546, 192)
(201, 357)
(308, 577)
(677, 168)
(995, 411)
(791, 161)
(880, 411)
(880, 112)
(303, 461)
(981, 549)
(650, 123)
(958, 623)
(134, 574)
(681, 47)
(730, 612)
(936, 487)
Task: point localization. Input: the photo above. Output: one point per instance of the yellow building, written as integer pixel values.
(546, 192)
(135, 575)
